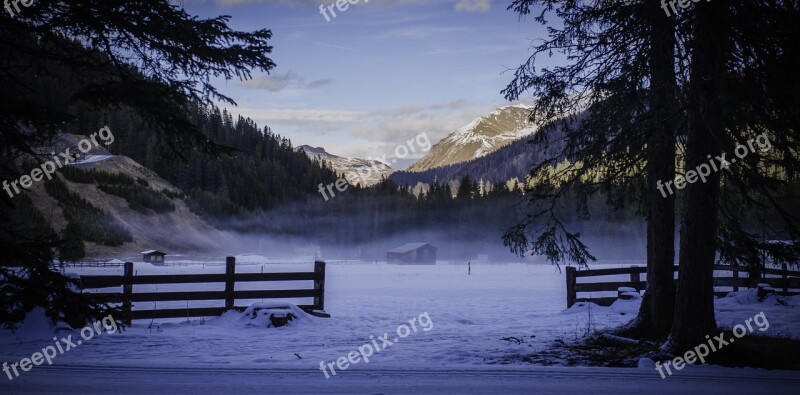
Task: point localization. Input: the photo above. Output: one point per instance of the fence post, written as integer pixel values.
(785, 275)
(127, 292)
(635, 277)
(230, 270)
(319, 285)
(735, 279)
(570, 286)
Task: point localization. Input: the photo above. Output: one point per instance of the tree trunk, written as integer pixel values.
(694, 303)
(655, 314)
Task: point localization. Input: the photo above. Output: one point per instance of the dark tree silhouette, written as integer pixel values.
(621, 78)
(741, 90)
(150, 57)
(718, 77)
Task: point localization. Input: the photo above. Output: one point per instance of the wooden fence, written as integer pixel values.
(127, 297)
(88, 264)
(788, 282)
(175, 263)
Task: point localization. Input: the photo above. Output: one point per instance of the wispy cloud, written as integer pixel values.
(420, 32)
(411, 109)
(302, 116)
(318, 83)
(364, 133)
(280, 82)
(334, 46)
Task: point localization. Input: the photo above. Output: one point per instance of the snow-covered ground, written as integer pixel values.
(470, 315)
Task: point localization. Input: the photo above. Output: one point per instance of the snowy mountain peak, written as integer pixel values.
(480, 137)
(355, 170)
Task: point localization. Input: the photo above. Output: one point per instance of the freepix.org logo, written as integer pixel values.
(400, 152)
(15, 3)
(49, 167)
(341, 5)
(366, 350)
(671, 4)
(60, 346)
(716, 163)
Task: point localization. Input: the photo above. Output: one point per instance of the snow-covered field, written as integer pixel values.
(470, 315)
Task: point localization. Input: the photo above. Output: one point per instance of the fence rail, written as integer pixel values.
(173, 263)
(229, 295)
(89, 264)
(788, 283)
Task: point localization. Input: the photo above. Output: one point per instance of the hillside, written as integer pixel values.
(170, 225)
(479, 138)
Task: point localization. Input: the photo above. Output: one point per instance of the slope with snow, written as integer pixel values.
(180, 229)
(480, 137)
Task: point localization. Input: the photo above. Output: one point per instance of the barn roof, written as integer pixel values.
(408, 247)
(148, 252)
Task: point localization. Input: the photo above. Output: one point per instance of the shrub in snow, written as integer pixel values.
(630, 296)
(272, 314)
(764, 290)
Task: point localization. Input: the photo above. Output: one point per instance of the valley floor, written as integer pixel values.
(476, 321)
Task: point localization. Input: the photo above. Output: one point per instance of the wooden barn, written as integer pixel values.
(412, 254)
(153, 256)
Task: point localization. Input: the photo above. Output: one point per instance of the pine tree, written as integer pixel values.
(156, 68)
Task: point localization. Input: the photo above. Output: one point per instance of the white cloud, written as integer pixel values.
(473, 5)
(364, 133)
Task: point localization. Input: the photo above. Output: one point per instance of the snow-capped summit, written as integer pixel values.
(365, 172)
(480, 137)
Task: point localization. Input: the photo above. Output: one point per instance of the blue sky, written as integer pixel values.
(380, 72)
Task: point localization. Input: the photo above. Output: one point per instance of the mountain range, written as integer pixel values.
(491, 147)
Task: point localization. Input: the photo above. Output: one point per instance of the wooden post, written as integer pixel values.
(785, 275)
(230, 270)
(635, 277)
(319, 285)
(570, 286)
(735, 279)
(127, 292)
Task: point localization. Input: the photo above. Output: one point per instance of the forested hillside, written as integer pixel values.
(260, 173)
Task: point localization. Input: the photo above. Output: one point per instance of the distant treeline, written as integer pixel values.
(467, 218)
